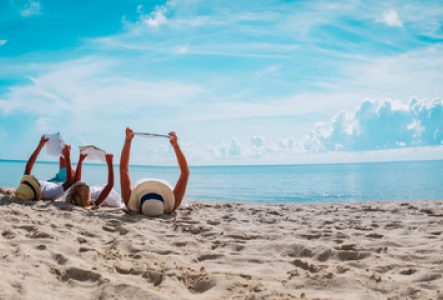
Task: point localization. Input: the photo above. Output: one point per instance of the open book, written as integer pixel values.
(55, 144)
(152, 135)
(93, 152)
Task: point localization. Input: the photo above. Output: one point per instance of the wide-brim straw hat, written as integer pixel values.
(28, 189)
(153, 205)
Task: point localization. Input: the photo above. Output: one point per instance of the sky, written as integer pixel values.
(241, 82)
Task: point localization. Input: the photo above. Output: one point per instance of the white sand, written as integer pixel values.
(223, 251)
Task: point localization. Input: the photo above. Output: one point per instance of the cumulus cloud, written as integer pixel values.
(257, 140)
(231, 149)
(3, 42)
(391, 18)
(378, 125)
(374, 125)
(258, 148)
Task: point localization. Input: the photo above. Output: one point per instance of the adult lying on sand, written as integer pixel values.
(152, 197)
(32, 189)
(81, 194)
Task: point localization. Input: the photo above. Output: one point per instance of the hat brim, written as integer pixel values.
(29, 183)
(152, 186)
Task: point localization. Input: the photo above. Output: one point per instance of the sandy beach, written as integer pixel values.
(222, 251)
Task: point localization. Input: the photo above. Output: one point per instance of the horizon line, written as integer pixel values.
(234, 165)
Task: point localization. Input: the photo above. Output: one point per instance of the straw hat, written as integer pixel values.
(152, 197)
(29, 188)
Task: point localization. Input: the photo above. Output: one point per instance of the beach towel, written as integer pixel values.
(55, 144)
(93, 152)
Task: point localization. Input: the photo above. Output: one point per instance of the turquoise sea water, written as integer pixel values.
(276, 184)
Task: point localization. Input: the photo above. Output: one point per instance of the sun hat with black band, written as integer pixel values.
(152, 197)
(28, 189)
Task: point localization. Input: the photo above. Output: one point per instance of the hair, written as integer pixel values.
(79, 194)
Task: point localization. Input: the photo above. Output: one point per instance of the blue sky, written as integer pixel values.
(240, 81)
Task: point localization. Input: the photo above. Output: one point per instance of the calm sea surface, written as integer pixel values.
(276, 184)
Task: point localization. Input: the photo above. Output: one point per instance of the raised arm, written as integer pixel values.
(182, 182)
(78, 170)
(61, 162)
(125, 179)
(67, 156)
(34, 155)
(105, 192)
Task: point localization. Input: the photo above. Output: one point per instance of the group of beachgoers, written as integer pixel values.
(151, 197)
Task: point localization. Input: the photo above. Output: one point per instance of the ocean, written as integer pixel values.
(321, 183)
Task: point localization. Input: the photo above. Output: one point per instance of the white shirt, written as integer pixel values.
(51, 190)
(113, 198)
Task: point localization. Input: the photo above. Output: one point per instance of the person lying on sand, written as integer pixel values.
(152, 197)
(32, 189)
(83, 195)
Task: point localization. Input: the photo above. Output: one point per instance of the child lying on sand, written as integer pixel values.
(81, 194)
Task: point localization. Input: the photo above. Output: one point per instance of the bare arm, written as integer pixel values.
(61, 162)
(78, 170)
(67, 156)
(34, 155)
(105, 192)
(182, 182)
(125, 179)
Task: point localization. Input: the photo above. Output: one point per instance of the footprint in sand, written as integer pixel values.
(323, 254)
(28, 228)
(60, 259)
(40, 235)
(208, 256)
(125, 291)
(428, 277)
(7, 234)
(180, 243)
(154, 276)
(87, 233)
(306, 266)
(351, 255)
(125, 270)
(80, 275)
(408, 271)
(115, 226)
(374, 236)
(298, 250)
(213, 222)
(198, 282)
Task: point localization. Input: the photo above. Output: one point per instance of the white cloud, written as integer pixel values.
(30, 8)
(269, 71)
(257, 140)
(181, 50)
(258, 150)
(82, 98)
(157, 17)
(380, 125)
(88, 84)
(391, 18)
(3, 42)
